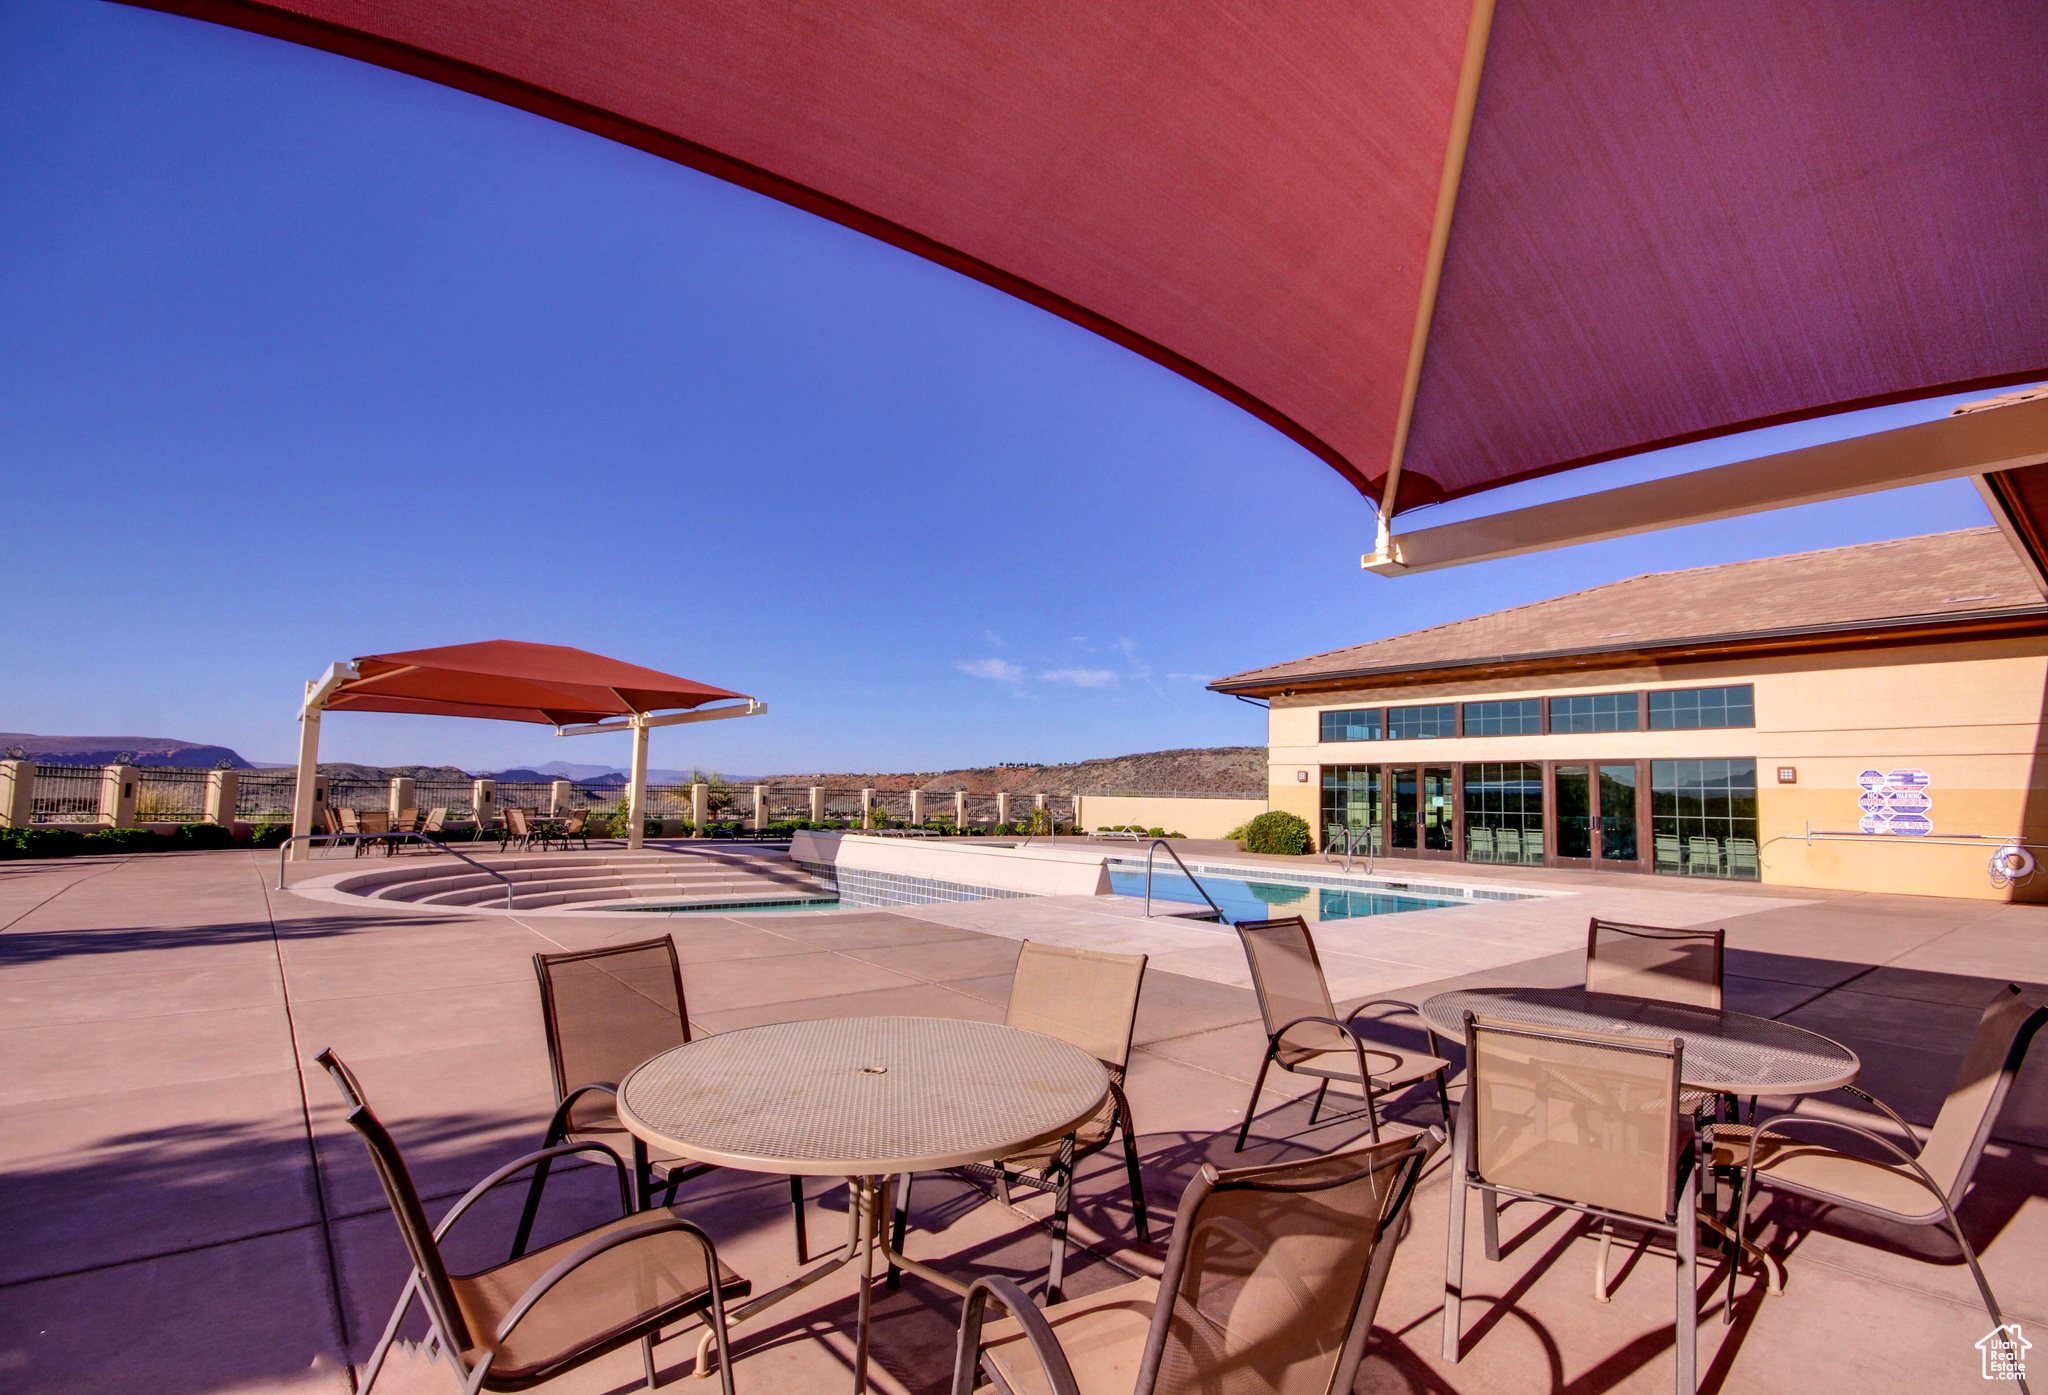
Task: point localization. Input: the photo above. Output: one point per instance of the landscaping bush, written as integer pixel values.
(204, 835)
(1277, 831)
(41, 842)
(269, 835)
(125, 840)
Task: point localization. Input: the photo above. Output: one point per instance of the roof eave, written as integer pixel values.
(1735, 640)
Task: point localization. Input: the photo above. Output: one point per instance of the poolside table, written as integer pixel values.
(1726, 1053)
(867, 1099)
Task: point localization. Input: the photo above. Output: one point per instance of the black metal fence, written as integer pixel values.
(66, 794)
(265, 796)
(169, 794)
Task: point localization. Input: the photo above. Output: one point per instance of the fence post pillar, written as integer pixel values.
(817, 804)
(17, 793)
(700, 806)
(223, 792)
(561, 794)
(760, 807)
(1080, 824)
(483, 798)
(867, 807)
(117, 796)
(1003, 807)
(404, 794)
(916, 807)
(959, 811)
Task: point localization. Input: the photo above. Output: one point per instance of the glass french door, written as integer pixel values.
(1423, 817)
(1596, 815)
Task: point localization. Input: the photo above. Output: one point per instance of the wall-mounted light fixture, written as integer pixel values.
(1788, 774)
(1301, 776)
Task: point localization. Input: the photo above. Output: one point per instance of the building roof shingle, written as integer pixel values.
(1964, 573)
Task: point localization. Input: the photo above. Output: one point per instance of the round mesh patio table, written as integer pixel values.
(862, 1096)
(1726, 1052)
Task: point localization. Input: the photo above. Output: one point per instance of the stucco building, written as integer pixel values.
(1864, 717)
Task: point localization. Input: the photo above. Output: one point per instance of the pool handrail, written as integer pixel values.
(345, 837)
(1372, 848)
(1157, 844)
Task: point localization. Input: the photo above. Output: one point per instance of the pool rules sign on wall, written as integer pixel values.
(1896, 801)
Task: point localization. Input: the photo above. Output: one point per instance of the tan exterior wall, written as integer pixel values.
(1197, 818)
(1970, 714)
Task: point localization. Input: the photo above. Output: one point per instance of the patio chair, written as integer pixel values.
(577, 826)
(516, 829)
(1479, 844)
(1703, 857)
(1586, 1121)
(408, 821)
(1270, 1286)
(349, 823)
(1921, 1188)
(1302, 1028)
(1646, 961)
(437, 819)
(1742, 858)
(604, 1011)
(1669, 853)
(1089, 999)
(1507, 845)
(373, 821)
(534, 1317)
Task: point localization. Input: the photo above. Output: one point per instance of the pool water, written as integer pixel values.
(1243, 899)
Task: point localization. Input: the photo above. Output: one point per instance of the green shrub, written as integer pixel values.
(125, 840)
(205, 835)
(269, 835)
(41, 842)
(1277, 831)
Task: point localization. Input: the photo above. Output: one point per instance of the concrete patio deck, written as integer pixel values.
(184, 1209)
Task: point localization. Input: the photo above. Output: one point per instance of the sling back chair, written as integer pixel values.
(577, 826)
(1919, 1188)
(1270, 1285)
(1587, 1121)
(1645, 961)
(1303, 1034)
(604, 1012)
(516, 828)
(516, 1324)
(1090, 1000)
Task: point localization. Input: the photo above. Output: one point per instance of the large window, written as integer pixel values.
(1703, 818)
(1519, 717)
(1409, 723)
(1351, 801)
(1595, 712)
(1698, 709)
(1361, 724)
(1504, 812)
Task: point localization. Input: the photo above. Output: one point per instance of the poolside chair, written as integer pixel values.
(1507, 845)
(516, 1324)
(1921, 1188)
(577, 826)
(604, 1011)
(1586, 1121)
(349, 824)
(516, 829)
(1646, 961)
(1089, 999)
(1703, 857)
(1270, 1288)
(408, 821)
(437, 819)
(1303, 1035)
(373, 821)
(1742, 859)
(1479, 844)
(1669, 854)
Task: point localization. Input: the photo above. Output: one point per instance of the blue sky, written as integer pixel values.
(304, 359)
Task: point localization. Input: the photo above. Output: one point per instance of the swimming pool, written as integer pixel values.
(1243, 898)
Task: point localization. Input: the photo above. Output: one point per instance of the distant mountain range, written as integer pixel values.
(1203, 770)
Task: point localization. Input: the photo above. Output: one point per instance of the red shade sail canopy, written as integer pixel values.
(515, 682)
(1670, 221)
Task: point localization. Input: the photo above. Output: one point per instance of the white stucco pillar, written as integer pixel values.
(760, 807)
(561, 794)
(483, 800)
(959, 811)
(867, 807)
(404, 794)
(700, 806)
(636, 790)
(1003, 808)
(917, 806)
(309, 766)
(117, 795)
(223, 792)
(817, 804)
(17, 793)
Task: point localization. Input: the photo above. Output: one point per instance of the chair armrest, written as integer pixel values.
(1414, 1009)
(1052, 1358)
(558, 1123)
(1357, 1043)
(659, 1225)
(1907, 1129)
(477, 1192)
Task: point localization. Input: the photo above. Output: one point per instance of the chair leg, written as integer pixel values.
(796, 1211)
(1454, 1253)
(1688, 1290)
(1600, 1264)
(1252, 1107)
(1063, 1202)
(531, 1212)
(1315, 1110)
(1489, 1213)
(898, 1231)
(383, 1347)
(1443, 1098)
(1137, 1186)
(647, 1358)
